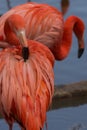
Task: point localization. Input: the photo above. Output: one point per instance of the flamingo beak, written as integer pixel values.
(23, 41)
(80, 52)
(81, 47)
(22, 38)
(25, 53)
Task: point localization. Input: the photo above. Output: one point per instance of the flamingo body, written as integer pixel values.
(26, 88)
(45, 24)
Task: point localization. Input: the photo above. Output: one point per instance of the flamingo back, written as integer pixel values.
(43, 22)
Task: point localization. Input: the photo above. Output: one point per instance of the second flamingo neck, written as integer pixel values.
(62, 49)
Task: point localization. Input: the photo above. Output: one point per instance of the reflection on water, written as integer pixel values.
(77, 127)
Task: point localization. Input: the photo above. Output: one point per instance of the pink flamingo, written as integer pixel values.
(26, 79)
(45, 24)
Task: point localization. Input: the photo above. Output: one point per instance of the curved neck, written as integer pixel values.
(73, 23)
(10, 35)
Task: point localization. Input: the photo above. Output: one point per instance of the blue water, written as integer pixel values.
(74, 118)
(68, 119)
(70, 70)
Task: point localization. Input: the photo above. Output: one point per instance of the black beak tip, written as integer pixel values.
(25, 53)
(80, 52)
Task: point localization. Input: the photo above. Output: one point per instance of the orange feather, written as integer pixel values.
(26, 87)
(45, 24)
(26, 79)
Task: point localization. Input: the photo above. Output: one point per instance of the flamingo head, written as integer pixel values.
(16, 24)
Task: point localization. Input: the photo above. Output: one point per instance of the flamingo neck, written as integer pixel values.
(73, 23)
(10, 35)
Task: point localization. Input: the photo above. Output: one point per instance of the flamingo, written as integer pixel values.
(45, 24)
(26, 83)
